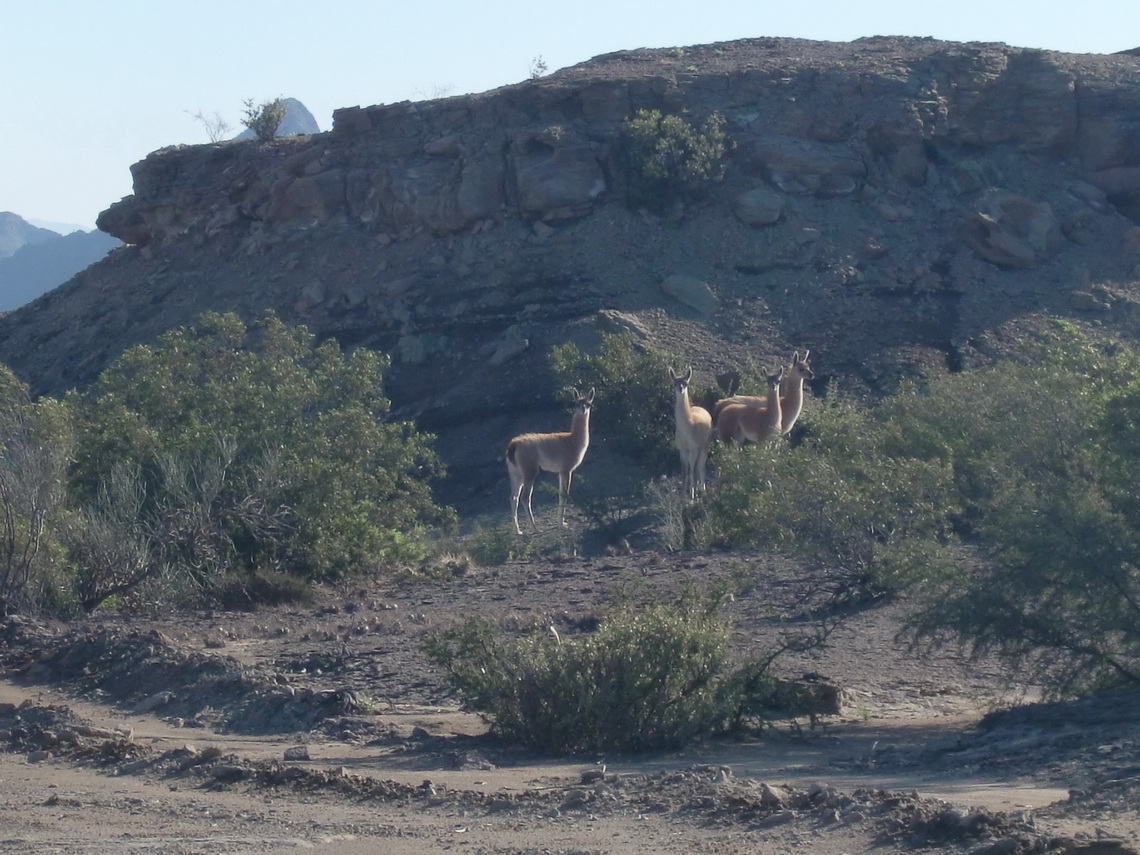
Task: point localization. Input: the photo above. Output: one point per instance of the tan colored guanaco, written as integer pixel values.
(531, 453)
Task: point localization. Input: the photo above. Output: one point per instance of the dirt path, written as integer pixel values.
(845, 754)
(54, 805)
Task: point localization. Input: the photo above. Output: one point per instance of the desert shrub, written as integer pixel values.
(537, 67)
(108, 545)
(671, 508)
(215, 126)
(834, 499)
(255, 448)
(186, 521)
(1049, 502)
(36, 443)
(444, 565)
(651, 676)
(646, 679)
(1045, 399)
(680, 522)
(265, 118)
(669, 160)
(1055, 593)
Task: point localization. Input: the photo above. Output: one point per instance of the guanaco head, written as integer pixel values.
(681, 381)
(583, 403)
(800, 367)
(774, 380)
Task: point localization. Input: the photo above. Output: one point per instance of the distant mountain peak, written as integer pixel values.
(34, 260)
(60, 228)
(16, 233)
(298, 120)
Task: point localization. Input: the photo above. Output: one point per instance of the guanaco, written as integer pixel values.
(531, 453)
(742, 423)
(791, 393)
(694, 431)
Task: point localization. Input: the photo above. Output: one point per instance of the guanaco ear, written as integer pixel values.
(689, 376)
(590, 397)
(673, 376)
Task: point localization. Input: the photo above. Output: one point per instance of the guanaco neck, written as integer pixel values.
(793, 397)
(580, 428)
(683, 408)
(775, 412)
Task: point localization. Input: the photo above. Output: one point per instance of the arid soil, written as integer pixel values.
(322, 728)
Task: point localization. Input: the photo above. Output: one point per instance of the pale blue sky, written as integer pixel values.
(92, 87)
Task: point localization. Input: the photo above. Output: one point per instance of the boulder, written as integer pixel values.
(692, 292)
(613, 321)
(797, 165)
(559, 184)
(758, 207)
(1010, 230)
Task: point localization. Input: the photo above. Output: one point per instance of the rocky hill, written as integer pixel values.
(887, 203)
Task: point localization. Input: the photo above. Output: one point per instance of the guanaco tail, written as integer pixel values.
(694, 431)
(742, 423)
(531, 453)
(791, 393)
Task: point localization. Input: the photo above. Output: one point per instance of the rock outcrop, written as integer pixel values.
(885, 202)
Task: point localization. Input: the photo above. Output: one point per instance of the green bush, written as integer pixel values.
(834, 499)
(265, 118)
(1045, 459)
(1044, 402)
(646, 679)
(36, 443)
(650, 677)
(109, 542)
(668, 160)
(255, 448)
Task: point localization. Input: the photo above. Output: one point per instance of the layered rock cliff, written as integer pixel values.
(886, 202)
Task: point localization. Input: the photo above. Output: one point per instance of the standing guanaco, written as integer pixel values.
(694, 431)
(791, 393)
(743, 422)
(531, 453)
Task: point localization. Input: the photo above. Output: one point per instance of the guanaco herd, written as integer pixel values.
(738, 419)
